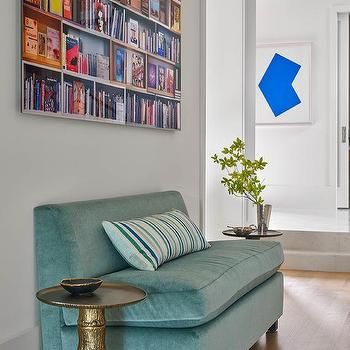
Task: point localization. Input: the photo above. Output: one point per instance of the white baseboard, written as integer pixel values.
(316, 251)
(28, 340)
(316, 261)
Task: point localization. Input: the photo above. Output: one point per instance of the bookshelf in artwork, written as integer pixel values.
(114, 61)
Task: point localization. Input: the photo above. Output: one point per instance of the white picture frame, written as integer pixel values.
(300, 53)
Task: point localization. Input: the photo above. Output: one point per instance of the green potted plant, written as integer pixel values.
(241, 178)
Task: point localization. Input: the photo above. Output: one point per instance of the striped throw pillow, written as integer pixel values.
(147, 243)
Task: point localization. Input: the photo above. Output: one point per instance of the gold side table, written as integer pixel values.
(91, 321)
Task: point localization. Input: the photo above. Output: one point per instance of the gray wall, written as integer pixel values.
(51, 160)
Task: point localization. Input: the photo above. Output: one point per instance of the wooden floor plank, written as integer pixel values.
(316, 313)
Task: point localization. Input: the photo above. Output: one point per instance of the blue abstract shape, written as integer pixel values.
(276, 85)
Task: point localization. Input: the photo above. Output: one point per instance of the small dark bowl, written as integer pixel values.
(78, 286)
(243, 231)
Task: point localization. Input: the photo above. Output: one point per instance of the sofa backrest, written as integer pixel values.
(70, 240)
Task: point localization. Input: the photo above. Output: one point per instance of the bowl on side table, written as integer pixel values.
(80, 286)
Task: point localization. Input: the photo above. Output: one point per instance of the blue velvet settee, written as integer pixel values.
(223, 298)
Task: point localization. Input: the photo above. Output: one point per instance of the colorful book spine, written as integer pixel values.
(42, 94)
(160, 113)
(168, 114)
(68, 9)
(118, 24)
(55, 7)
(110, 105)
(78, 99)
(168, 47)
(141, 109)
(145, 7)
(120, 65)
(95, 65)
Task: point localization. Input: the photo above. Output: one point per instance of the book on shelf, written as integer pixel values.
(68, 9)
(30, 36)
(120, 65)
(135, 69)
(133, 33)
(141, 109)
(168, 114)
(42, 44)
(110, 105)
(55, 7)
(95, 65)
(35, 3)
(168, 47)
(102, 67)
(44, 5)
(161, 79)
(177, 79)
(140, 35)
(163, 10)
(170, 81)
(118, 24)
(175, 17)
(53, 44)
(152, 76)
(136, 4)
(77, 98)
(72, 52)
(93, 14)
(177, 87)
(154, 9)
(161, 44)
(42, 94)
(145, 7)
(100, 16)
(147, 110)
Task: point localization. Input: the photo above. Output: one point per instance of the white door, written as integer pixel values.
(343, 112)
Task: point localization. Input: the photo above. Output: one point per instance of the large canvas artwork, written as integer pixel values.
(110, 61)
(283, 83)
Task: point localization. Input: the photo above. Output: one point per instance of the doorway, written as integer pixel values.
(343, 81)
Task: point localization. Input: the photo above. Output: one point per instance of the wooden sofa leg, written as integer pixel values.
(273, 328)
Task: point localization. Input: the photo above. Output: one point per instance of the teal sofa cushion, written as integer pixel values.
(146, 243)
(196, 288)
(71, 242)
(237, 328)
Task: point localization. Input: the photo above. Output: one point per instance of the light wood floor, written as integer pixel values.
(316, 313)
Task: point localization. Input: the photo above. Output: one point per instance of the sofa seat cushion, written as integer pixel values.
(194, 289)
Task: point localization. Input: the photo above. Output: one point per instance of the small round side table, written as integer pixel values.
(254, 235)
(91, 321)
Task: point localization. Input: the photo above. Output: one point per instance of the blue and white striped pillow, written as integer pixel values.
(147, 243)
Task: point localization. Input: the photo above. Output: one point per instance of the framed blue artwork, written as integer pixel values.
(283, 83)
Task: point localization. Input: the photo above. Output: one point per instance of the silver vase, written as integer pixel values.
(263, 217)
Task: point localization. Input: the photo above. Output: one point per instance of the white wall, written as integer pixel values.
(50, 160)
(226, 100)
(300, 173)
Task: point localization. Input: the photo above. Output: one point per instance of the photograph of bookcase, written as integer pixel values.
(110, 61)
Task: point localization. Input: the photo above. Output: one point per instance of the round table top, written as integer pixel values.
(107, 296)
(254, 234)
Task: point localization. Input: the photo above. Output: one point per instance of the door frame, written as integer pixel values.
(249, 80)
(334, 93)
